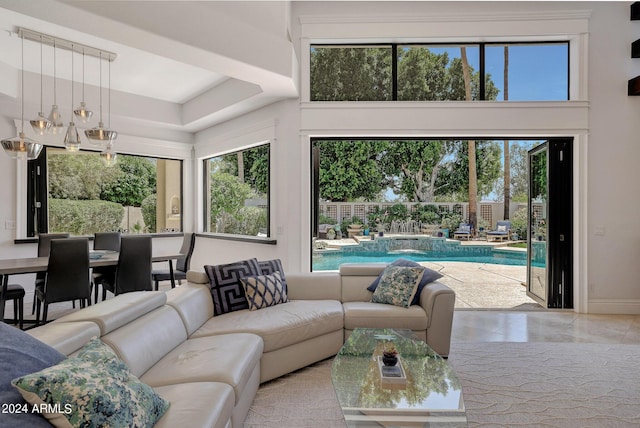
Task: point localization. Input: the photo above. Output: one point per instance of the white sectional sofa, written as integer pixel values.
(210, 368)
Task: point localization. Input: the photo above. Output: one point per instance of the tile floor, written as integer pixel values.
(544, 326)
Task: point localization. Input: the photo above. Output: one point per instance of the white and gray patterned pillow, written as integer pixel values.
(398, 285)
(226, 289)
(95, 388)
(264, 290)
(267, 267)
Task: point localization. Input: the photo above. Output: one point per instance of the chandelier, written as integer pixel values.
(23, 147)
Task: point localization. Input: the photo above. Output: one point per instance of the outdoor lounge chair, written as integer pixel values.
(501, 233)
(463, 232)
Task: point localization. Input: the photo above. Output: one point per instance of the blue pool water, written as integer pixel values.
(419, 251)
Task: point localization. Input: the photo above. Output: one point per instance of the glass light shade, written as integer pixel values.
(101, 133)
(21, 147)
(82, 113)
(72, 138)
(108, 156)
(56, 120)
(41, 125)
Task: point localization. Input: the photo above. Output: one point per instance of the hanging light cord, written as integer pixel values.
(55, 96)
(109, 112)
(22, 84)
(82, 74)
(101, 86)
(41, 90)
(72, 82)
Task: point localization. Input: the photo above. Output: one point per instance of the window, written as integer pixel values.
(78, 194)
(237, 192)
(425, 72)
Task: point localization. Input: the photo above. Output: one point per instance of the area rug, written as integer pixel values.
(572, 385)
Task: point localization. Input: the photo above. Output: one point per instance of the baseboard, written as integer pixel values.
(614, 306)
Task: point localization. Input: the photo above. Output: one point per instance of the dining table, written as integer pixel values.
(26, 265)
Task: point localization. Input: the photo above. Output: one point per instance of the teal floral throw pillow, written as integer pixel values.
(398, 285)
(93, 389)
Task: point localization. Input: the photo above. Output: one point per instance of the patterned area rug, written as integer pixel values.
(504, 385)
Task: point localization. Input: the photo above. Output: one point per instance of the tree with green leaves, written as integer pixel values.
(412, 167)
(135, 179)
(453, 179)
(350, 74)
(350, 170)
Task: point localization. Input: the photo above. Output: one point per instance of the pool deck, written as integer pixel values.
(477, 285)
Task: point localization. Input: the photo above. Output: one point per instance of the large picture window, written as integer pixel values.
(451, 72)
(77, 193)
(237, 192)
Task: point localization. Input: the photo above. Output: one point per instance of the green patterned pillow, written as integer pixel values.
(95, 388)
(398, 285)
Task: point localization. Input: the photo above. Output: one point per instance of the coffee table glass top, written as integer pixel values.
(430, 396)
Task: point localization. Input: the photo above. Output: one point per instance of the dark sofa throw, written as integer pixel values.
(429, 276)
(226, 288)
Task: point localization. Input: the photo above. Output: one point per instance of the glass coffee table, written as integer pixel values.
(427, 393)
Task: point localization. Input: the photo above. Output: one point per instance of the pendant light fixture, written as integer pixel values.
(55, 117)
(72, 139)
(101, 133)
(21, 147)
(82, 114)
(41, 125)
(109, 156)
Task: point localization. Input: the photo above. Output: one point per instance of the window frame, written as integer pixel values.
(481, 67)
(206, 202)
(37, 213)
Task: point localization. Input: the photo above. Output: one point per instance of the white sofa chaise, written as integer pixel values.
(210, 368)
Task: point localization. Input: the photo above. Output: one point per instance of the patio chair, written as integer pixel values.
(501, 233)
(463, 232)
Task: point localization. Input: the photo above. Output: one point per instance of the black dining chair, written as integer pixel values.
(16, 293)
(133, 271)
(182, 264)
(104, 274)
(44, 244)
(67, 276)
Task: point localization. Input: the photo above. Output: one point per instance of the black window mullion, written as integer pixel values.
(482, 88)
(394, 72)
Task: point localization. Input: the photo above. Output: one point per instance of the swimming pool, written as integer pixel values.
(416, 249)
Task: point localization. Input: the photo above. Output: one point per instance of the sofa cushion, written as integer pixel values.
(398, 285)
(226, 289)
(197, 404)
(428, 277)
(118, 311)
(21, 354)
(378, 315)
(66, 337)
(143, 342)
(93, 389)
(193, 303)
(264, 290)
(227, 358)
(281, 325)
(267, 267)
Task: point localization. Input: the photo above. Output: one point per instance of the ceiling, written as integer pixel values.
(184, 66)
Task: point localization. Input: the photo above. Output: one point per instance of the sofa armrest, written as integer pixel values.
(438, 301)
(314, 286)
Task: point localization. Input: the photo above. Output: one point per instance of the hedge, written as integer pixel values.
(84, 217)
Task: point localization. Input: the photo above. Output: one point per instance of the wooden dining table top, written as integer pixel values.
(40, 264)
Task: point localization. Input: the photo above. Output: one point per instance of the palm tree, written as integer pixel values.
(473, 174)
